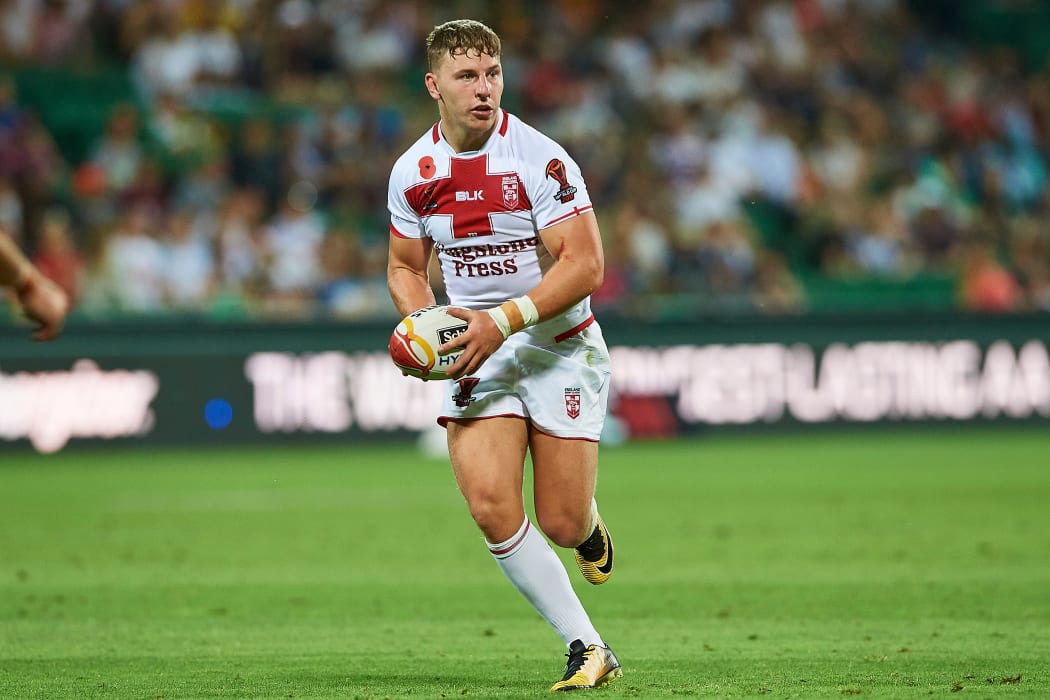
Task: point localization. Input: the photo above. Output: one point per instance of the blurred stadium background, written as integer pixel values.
(815, 212)
(229, 158)
(833, 209)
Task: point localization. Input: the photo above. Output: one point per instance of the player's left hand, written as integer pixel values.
(479, 341)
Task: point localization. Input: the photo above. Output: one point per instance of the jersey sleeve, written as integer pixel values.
(556, 187)
(404, 222)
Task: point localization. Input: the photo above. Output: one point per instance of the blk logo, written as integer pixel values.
(472, 196)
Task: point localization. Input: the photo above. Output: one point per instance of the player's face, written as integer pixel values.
(468, 87)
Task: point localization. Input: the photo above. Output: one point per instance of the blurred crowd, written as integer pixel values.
(737, 151)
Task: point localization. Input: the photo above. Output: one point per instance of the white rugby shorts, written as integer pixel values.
(561, 387)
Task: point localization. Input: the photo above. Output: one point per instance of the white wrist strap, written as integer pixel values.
(514, 315)
(530, 315)
(502, 322)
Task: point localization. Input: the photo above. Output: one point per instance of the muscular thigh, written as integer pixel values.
(488, 458)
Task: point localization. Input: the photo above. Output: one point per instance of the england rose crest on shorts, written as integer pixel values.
(572, 402)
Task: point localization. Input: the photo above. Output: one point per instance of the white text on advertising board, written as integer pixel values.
(712, 384)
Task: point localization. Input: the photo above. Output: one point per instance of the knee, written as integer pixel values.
(563, 529)
(496, 519)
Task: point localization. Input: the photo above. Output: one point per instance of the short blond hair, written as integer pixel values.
(458, 37)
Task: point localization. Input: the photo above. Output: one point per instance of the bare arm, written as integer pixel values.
(579, 265)
(42, 300)
(406, 273)
(578, 270)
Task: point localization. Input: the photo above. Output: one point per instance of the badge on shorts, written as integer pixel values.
(466, 385)
(572, 402)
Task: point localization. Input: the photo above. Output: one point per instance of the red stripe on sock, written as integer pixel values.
(515, 543)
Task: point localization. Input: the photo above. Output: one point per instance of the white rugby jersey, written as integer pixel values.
(484, 210)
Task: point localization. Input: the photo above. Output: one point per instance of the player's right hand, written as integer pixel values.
(479, 341)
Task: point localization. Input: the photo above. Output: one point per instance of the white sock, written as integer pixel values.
(594, 517)
(537, 572)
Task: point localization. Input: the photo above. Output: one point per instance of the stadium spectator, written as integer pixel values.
(646, 247)
(986, 285)
(189, 275)
(149, 188)
(878, 242)
(184, 134)
(167, 60)
(57, 257)
(354, 283)
(204, 186)
(59, 35)
(704, 201)
(220, 60)
(726, 258)
(257, 161)
(119, 152)
(378, 40)
(131, 275)
(293, 239)
(18, 22)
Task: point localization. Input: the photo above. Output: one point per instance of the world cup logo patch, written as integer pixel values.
(572, 402)
(557, 171)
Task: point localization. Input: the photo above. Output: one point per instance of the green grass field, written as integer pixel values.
(882, 564)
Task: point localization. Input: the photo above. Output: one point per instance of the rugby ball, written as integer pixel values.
(414, 343)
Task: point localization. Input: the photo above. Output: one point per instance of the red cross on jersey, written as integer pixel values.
(468, 195)
(484, 209)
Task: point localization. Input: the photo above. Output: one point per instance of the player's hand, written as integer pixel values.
(46, 304)
(479, 341)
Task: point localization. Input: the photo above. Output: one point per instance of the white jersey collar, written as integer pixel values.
(499, 132)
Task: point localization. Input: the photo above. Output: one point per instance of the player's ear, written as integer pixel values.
(432, 87)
